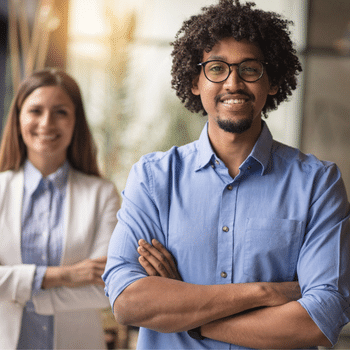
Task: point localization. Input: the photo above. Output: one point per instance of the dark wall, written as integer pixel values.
(326, 121)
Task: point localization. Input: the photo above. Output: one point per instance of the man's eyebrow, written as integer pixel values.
(224, 58)
(216, 57)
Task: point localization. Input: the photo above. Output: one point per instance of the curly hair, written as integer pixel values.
(229, 18)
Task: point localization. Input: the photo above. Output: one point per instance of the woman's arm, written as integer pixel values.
(16, 283)
(83, 273)
(79, 285)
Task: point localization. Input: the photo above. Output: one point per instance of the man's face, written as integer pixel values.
(233, 105)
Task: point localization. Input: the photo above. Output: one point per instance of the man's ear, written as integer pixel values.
(195, 89)
(273, 89)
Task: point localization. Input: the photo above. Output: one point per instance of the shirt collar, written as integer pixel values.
(262, 149)
(32, 177)
(206, 152)
(260, 152)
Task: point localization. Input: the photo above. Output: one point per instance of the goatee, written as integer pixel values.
(235, 127)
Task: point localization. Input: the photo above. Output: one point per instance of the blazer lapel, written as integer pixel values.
(13, 199)
(68, 211)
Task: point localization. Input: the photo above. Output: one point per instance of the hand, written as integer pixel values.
(88, 271)
(83, 273)
(156, 260)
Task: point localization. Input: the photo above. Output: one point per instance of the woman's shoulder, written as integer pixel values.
(10, 175)
(10, 183)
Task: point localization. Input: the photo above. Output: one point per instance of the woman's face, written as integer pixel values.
(47, 120)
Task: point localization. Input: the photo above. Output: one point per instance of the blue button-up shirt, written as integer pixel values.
(284, 217)
(42, 239)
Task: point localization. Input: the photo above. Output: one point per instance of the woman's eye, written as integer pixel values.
(62, 112)
(34, 111)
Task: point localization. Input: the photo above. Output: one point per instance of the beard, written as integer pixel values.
(235, 127)
(242, 124)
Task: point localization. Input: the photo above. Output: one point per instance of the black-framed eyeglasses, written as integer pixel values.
(218, 71)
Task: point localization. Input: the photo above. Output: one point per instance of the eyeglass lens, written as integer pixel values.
(218, 71)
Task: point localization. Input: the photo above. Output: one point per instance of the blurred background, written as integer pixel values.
(119, 52)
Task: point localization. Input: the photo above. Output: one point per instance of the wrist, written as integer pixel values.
(266, 294)
(55, 276)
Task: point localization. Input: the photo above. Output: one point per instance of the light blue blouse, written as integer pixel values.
(42, 239)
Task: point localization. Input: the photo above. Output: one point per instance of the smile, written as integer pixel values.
(47, 137)
(234, 101)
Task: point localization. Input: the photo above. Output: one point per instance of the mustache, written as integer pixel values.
(237, 92)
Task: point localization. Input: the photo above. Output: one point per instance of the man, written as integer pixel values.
(243, 215)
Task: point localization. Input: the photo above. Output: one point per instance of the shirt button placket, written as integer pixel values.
(225, 236)
(223, 274)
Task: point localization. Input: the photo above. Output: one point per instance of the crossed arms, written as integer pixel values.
(259, 315)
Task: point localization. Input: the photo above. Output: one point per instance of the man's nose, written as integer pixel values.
(233, 79)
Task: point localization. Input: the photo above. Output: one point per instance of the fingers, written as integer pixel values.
(168, 257)
(151, 271)
(96, 266)
(85, 272)
(157, 261)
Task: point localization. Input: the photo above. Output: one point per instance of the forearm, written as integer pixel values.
(283, 327)
(55, 276)
(168, 305)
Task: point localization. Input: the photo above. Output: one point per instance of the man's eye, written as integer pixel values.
(249, 70)
(216, 68)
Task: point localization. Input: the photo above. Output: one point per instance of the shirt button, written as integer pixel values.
(225, 228)
(213, 166)
(249, 167)
(217, 162)
(229, 187)
(223, 274)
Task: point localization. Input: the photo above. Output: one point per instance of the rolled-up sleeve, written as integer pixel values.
(324, 264)
(138, 218)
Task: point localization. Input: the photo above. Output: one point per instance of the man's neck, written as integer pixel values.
(232, 148)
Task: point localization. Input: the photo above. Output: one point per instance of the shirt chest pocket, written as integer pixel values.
(271, 248)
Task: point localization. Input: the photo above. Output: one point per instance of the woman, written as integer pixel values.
(56, 218)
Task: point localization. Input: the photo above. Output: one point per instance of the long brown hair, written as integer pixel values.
(81, 152)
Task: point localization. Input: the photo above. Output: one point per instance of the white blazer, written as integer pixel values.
(90, 214)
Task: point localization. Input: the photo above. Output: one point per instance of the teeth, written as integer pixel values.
(234, 101)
